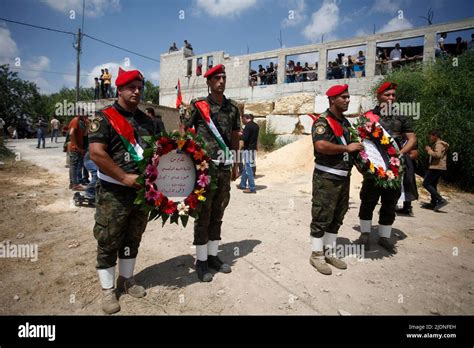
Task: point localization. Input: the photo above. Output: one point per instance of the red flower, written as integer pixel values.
(394, 170)
(191, 146)
(192, 201)
(169, 208)
(163, 141)
(167, 148)
(362, 132)
(391, 151)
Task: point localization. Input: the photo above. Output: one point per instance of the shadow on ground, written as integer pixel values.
(179, 271)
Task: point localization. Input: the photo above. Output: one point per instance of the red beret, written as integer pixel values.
(218, 69)
(336, 90)
(385, 86)
(125, 77)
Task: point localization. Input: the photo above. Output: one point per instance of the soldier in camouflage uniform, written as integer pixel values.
(397, 126)
(331, 179)
(119, 223)
(225, 116)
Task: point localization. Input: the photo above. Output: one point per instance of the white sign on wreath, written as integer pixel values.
(176, 175)
(374, 154)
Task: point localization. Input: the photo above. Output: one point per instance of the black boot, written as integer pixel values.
(216, 264)
(203, 271)
(387, 245)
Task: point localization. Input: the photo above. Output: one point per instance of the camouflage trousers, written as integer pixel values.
(119, 224)
(369, 196)
(208, 224)
(329, 205)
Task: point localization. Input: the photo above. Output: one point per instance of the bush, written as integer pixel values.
(266, 138)
(446, 96)
(5, 154)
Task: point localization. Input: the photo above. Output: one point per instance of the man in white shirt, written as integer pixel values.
(54, 129)
(396, 53)
(440, 45)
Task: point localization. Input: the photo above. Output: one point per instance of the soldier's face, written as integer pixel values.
(131, 93)
(341, 102)
(387, 97)
(217, 83)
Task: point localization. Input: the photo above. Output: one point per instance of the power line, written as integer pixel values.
(83, 34)
(48, 71)
(37, 26)
(120, 48)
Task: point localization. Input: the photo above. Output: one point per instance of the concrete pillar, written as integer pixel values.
(429, 47)
(322, 64)
(281, 68)
(370, 58)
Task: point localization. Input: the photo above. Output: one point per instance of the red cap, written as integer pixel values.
(336, 90)
(385, 86)
(218, 69)
(124, 77)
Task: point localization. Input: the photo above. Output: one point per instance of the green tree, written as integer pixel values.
(444, 91)
(65, 96)
(19, 99)
(152, 92)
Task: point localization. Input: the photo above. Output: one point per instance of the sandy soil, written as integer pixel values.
(265, 239)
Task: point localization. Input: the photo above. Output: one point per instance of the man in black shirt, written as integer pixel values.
(398, 127)
(157, 121)
(249, 153)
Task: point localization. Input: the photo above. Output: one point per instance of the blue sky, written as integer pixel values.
(150, 26)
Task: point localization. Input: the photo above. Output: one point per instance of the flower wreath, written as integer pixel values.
(155, 202)
(391, 177)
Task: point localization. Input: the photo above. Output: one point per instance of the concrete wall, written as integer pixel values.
(174, 66)
(284, 106)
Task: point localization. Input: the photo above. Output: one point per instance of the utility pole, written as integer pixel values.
(77, 46)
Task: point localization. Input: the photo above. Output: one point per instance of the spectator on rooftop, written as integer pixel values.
(173, 48)
(188, 45)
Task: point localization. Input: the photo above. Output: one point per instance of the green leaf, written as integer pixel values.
(165, 218)
(174, 219)
(184, 220)
(147, 139)
(141, 180)
(140, 199)
(148, 152)
(153, 214)
(142, 165)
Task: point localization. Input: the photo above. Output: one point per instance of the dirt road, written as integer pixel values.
(265, 239)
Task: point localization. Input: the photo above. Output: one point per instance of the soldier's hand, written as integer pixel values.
(131, 181)
(353, 147)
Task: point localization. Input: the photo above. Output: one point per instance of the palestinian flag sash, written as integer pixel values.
(205, 112)
(125, 132)
(335, 126)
